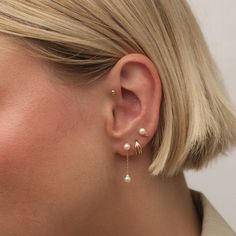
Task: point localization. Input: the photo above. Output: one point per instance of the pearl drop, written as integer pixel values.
(127, 179)
(127, 146)
(142, 131)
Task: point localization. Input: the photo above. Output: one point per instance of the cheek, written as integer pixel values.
(26, 131)
(35, 136)
(45, 143)
(51, 159)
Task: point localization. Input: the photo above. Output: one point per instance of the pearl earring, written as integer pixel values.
(127, 178)
(143, 132)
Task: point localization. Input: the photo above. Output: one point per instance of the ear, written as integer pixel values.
(136, 103)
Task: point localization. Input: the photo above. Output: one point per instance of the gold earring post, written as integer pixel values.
(113, 92)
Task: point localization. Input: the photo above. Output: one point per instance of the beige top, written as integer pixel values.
(213, 224)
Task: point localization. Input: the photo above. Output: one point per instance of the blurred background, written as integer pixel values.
(217, 19)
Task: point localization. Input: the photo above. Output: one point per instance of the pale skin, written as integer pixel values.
(62, 160)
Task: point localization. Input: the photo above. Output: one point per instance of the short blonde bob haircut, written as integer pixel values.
(88, 37)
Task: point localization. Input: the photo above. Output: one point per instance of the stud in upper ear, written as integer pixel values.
(113, 92)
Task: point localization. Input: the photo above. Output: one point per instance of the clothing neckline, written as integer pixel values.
(212, 222)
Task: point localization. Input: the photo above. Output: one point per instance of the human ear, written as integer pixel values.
(136, 103)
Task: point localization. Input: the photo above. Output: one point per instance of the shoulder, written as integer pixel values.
(213, 224)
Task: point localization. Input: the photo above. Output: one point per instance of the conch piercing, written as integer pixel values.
(127, 178)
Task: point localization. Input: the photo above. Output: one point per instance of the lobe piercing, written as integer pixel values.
(138, 148)
(127, 178)
(143, 132)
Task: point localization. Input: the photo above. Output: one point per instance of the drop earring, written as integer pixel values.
(127, 178)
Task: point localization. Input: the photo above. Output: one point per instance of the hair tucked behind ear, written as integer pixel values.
(88, 37)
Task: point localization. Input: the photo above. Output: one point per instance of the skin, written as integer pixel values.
(61, 153)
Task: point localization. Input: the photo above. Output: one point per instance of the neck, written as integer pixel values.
(146, 206)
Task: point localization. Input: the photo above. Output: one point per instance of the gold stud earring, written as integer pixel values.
(127, 178)
(113, 92)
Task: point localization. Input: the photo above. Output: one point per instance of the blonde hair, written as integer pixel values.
(89, 36)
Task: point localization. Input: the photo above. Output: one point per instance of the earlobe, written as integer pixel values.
(138, 151)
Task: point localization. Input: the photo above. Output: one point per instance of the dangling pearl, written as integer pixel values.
(142, 131)
(127, 179)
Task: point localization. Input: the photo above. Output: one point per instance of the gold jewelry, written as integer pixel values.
(138, 148)
(113, 92)
(127, 178)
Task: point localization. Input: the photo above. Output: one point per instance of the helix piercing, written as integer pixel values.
(113, 92)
